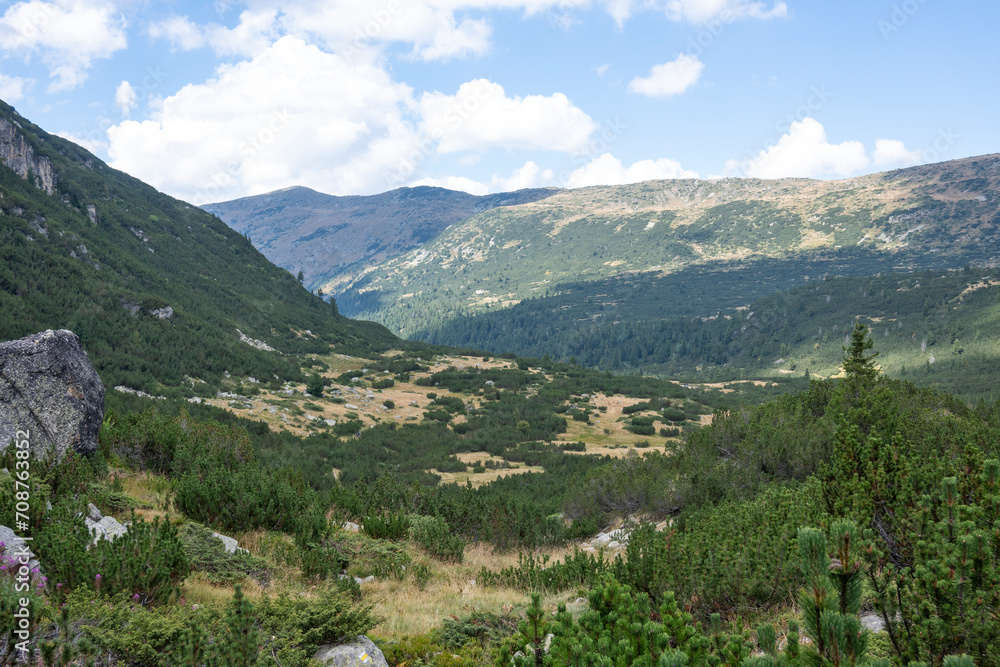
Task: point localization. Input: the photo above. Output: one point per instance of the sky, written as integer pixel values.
(210, 101)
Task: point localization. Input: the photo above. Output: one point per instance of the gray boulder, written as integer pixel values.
(14, 547)
(106, 527)
(50, 391)
(361, 652)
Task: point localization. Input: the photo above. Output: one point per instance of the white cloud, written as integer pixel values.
(602, 69)
(460, 183)
(480, 116)
(350, 26)
(435, 29)
(12, 88)
(805, 152)
(890, 153)
(608, 170)
(701, 11)
(125, 98)
(94, 144)
(181, 32)
(324, 123)
(255, 31)
(530, 175)
(670, 78)
(69, 35)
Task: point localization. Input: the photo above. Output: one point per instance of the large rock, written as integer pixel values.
(50, 390)
(14, 548)
(361, 652)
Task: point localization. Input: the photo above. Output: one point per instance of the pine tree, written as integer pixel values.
(857, 364)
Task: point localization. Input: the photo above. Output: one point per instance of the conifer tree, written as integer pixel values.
(858, 365)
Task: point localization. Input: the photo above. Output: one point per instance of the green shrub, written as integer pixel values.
(433, 534)
(206, 553)
(386, 527)
(315, 385)
(348, 427)
(148, 562)
(243, 498)
(641, 426)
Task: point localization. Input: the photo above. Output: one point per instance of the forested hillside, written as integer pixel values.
(157, 290)
(664, 249)
(936, 328)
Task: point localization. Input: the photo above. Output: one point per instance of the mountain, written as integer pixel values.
(793, 230)
(159, 291)
(331, 239)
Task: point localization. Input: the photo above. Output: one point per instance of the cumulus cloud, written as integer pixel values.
(608, 170)
(125, 98)
(805, 152)
(890, 153)
(460, 183)
(433, 29)
(530, 175)
(93, 143)
(670, 78)
(12, 88)
(68, 34)
(323, 123)
(701, 11)
(255, 31)
(481, 115)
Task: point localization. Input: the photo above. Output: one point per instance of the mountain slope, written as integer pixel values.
(156, 289)
(329, 238)
(936, 216)
(931, 327)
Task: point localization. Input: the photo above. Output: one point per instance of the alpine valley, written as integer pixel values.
(712, 280)
(251, 477)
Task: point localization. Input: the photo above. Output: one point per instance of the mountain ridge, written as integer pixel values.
(159, 291)
(357, 230)
(933, 216)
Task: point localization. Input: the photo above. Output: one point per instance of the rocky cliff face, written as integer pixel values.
(17, 153)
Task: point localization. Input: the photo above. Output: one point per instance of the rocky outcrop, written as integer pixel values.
(50, 394)
(17, 153)
(103, 527)
(361, 652)
(229, 544)
(14, 548)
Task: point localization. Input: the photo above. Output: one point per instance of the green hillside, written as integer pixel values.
(936, 216)
(936, 328)
(156, 289)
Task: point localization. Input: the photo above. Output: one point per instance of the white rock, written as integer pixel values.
(231, 545)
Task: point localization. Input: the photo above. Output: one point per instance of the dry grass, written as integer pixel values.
(480, 478)
(451, 591)
(279, 410)
(150, 491)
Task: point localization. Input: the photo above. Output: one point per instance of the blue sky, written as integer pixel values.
(212, 101)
